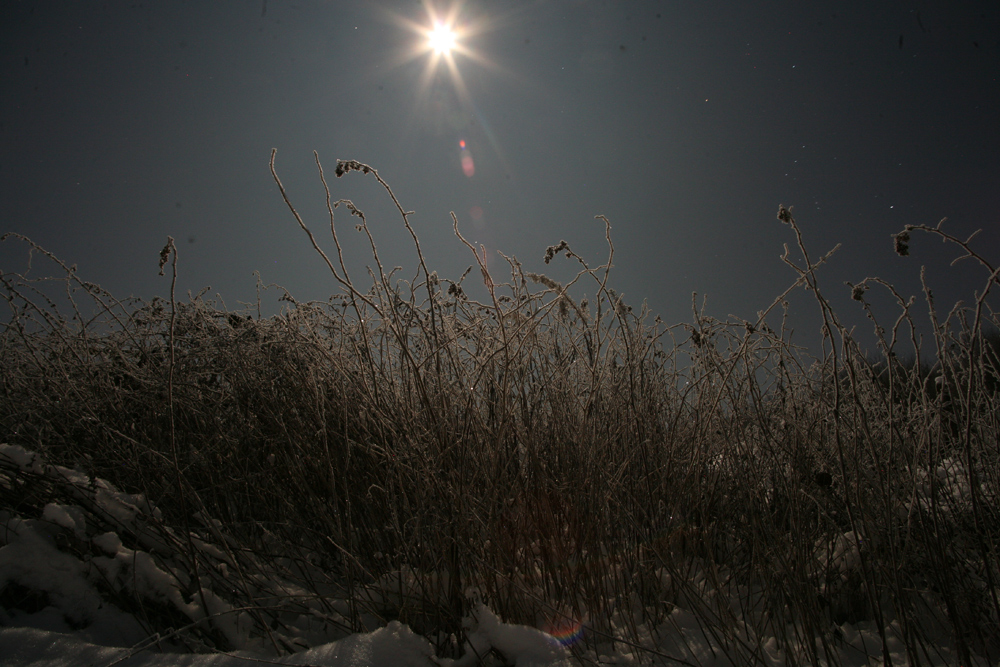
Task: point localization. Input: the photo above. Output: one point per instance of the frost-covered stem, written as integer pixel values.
(830, 322)
(165, 253)
(975, 345)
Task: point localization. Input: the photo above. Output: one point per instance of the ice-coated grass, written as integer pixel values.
(704, 493)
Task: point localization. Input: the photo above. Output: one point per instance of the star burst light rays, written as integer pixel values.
(443, 38)
(441, 41)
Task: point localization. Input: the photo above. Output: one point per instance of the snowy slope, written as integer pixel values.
(73, 593)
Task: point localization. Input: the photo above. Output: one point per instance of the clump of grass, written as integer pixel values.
(573, 458)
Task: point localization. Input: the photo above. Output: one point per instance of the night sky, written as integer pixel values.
(686, 123)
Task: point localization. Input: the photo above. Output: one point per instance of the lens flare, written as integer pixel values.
(567, 631)
(444, 38)
(468, 165)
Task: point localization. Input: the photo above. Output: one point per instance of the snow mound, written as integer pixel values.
(84, 568)
(519, 644)
(392, 646)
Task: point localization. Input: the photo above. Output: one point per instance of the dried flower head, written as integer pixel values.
(345, 166)
(165, 253)
(858, 291)
(622, 308)
(901, 242)
(545, 280)
(552, 250)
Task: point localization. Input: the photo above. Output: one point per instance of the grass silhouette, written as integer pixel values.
(574, 459)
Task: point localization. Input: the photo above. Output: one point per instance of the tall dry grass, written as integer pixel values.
(572, 458)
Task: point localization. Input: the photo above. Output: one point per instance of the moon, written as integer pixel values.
(442, 39)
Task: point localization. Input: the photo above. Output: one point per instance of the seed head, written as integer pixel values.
(551, 251)
(901, 242)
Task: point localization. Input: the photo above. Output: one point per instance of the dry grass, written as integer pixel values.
(567, 456)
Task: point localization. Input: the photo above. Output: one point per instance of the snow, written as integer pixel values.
(522, 645)
(67, 516)
(70, 624)
(65, 575)
(22, 458)
(392, 646)
(30, 561)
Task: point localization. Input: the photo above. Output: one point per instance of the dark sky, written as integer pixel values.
(686, 123)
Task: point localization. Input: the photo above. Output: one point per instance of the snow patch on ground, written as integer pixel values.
(72, 593)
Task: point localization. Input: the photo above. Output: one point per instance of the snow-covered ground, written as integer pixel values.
(64, 587)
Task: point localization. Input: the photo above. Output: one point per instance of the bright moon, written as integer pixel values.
(442, 39)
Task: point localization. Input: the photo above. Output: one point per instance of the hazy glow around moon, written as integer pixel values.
(442, 39)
